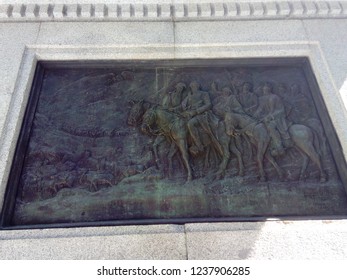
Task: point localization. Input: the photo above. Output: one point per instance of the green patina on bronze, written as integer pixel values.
(175, 140)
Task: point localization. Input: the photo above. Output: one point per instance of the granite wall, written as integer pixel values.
(68, 31)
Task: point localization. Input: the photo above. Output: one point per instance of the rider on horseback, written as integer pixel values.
(272, 112)
(248, 99)
(225, 101)
(172, 100)
(197, 109)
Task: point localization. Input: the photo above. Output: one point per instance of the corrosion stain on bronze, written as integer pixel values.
(160, 141)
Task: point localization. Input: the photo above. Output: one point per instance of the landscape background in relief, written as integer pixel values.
(121, 144)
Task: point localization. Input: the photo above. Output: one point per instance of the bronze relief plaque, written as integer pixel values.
(174, 141)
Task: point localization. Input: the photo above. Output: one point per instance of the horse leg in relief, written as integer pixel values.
(304, 141)
(315, 158)
(249, 146)
(238, 154)
(206, 126)
(262, 140)
(322, 140)
(304, 166)
(160, 139)
(183, 147)
(223, 165)
(173, 150)
(224, 141)
(260, 158)
(275, 165)
(207, 157)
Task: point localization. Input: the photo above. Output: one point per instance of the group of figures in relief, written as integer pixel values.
(273, 118)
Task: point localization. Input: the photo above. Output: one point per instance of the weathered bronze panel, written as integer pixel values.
(154, 140)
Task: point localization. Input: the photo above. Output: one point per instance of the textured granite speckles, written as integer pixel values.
(103, 34)
(166, 32)
(127, 242)
(268, 240)
(84, 10)
(316, 240)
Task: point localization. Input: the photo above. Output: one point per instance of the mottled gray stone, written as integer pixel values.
(205, 9)
(323, 7)
(179, 11)
(328, 34)
(165, 10)
(298, 8)
(315, 240)
(139, 11)
(238, 31)
(18, 11)
(70, 10)
(32, 10)
(130, 242)
(320, 239)
(125, 10)
(231, 9)
(258, 9)
(271, 8)
(178, 36)
(58, 11)
(245, 9)
(344, 7)
(99, 10)
(219, 10)
(86, 10)
(3, 11)
(311, 8)
(44, 12)
(101, 33)
(335, 56)
(284, 8)
(14, 38)
(335, 8)
(112, 11)
(152, 10)
(192, 10)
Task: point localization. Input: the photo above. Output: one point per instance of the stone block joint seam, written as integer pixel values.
(137, 11)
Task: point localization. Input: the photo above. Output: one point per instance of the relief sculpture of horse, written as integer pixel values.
(155, 120)
(302, 136)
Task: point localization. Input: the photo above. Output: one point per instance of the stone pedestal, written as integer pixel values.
(104, 31)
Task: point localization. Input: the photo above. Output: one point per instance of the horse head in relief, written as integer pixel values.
(137, 109)
(154, 120)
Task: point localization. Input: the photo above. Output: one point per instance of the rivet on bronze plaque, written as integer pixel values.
(179, 141)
